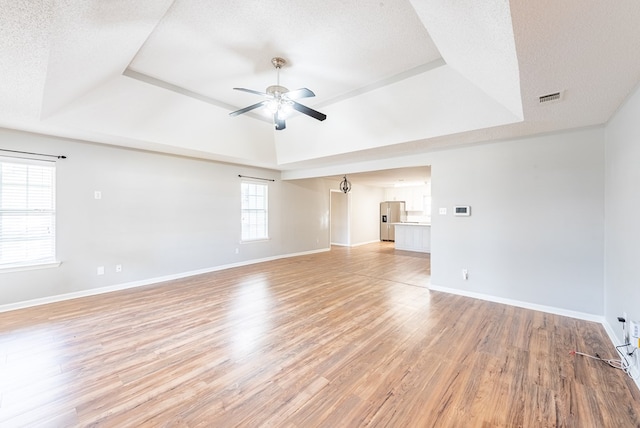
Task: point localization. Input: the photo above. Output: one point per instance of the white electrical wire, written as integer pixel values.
(616, 364)
(621, 364)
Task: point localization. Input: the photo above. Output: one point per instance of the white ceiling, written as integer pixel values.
(393, 76)
(394, 177)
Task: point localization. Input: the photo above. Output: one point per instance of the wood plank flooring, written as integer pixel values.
(347, 338)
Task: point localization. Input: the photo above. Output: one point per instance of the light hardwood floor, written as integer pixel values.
(346, 338)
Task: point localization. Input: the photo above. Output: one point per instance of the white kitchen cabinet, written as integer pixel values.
(413, 237)
(415, 199)
(394, 194)
(412, 196)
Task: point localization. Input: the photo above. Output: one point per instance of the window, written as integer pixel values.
(255, 222)
(27, 212)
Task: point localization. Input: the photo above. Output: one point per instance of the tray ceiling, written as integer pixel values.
(394, 77)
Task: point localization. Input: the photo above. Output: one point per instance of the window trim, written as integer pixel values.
(266, 211)
(30, 266)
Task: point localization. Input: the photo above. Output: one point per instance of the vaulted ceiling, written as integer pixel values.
(395, 77)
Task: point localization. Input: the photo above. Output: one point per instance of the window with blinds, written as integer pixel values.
(27, 212)
(254, 213)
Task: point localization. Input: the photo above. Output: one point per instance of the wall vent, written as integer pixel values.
(549, 97)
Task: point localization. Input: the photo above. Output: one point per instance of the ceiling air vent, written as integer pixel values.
(549, 97)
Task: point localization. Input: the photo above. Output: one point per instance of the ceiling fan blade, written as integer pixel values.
(309, 111)
(278, 122)
(251, 91)
(300, 93)
(246, 109)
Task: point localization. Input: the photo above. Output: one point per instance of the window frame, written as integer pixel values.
(50, 212)
(263, 212)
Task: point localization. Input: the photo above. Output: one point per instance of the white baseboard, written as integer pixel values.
(354, 245)
(518, 303)
(149, 281)
(365, 243)
(635, 370)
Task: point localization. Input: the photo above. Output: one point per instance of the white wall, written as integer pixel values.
(365, 214)
(339, 218)
(355, 215)
(159, 215)
(622, 214)
(536, 233)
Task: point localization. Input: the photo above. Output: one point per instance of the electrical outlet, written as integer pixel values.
(97, 194)
(100, 270)
(118, 268)
(465, 274)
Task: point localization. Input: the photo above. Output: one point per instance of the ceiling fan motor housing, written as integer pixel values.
(276, 90)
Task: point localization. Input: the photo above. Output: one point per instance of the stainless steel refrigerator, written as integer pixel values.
(390, 212)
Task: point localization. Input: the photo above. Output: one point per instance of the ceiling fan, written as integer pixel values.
(280, 101)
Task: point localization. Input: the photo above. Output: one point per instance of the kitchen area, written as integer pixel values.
(405, 217)
(391, 206)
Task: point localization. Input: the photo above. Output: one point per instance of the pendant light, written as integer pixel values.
(345, 185)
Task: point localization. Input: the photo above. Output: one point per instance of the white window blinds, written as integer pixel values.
(255, 222)
(27, 212)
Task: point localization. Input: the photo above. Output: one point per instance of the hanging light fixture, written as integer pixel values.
(345, 185)
(281, 102)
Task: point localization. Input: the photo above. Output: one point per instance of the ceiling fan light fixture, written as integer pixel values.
(285, 107)
(280, 102)
(273, 106)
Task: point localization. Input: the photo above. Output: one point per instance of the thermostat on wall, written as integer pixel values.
(462, 210)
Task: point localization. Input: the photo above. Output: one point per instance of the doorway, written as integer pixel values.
(339, 218)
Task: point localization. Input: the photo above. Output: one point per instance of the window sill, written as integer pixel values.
(34, 266)
(251, 241)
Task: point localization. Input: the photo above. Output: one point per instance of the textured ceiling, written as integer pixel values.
(395, 77)
(334, 47)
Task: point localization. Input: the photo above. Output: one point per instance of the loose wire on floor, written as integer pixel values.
(620, 364)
